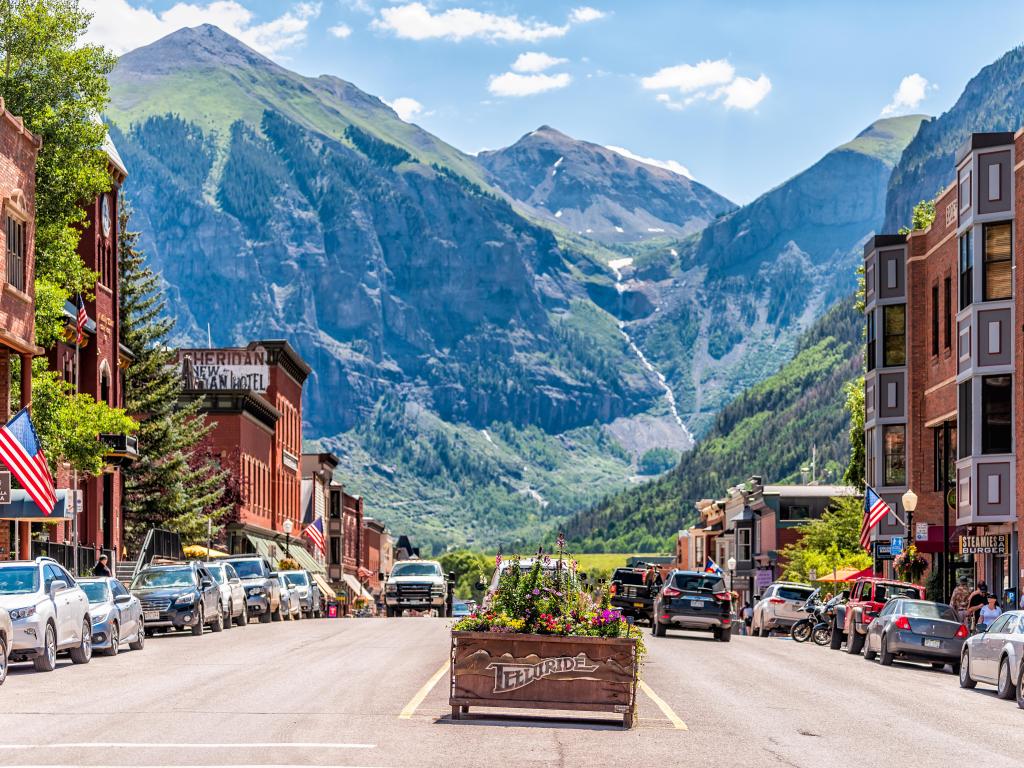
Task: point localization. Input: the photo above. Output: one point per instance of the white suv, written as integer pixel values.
(779, 607)
(49, 611)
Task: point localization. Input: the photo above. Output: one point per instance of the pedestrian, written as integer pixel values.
(653, 577)
(974, 603)
(989, 613)
(101, 569)
(959, 599)
(746, 617)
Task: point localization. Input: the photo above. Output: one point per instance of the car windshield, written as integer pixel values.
(917, 610)
(297, 579)
(172, 577)
(884, 592)
(698, 582)
(217, 571)
(628, 576)
(248, 569)
(416, 569)
(18, 580)
(96, 591)
(795, 593)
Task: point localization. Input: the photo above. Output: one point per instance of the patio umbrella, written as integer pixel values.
(843, 574)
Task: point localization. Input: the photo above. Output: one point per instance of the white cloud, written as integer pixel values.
(669, 165)
(911, 92)
(414, 21)
(406, 107)
(119, 25)
(585, 13)
(340, 31)
(707, 80)
(513, 84)
(534, 61)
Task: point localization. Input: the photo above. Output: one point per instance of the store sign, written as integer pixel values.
(512, 677)
(995, 544)
(882, 550)
(5, 487)
(225, 369)
(762, 578)
(921, 532)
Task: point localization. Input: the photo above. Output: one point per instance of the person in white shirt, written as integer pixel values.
(989, 613)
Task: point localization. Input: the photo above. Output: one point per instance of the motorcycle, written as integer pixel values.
(802, 629)
(821, 634)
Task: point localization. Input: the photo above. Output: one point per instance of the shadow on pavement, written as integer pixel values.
(532, 721)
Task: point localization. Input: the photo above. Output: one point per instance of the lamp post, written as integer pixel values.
(731, 565)
(287, 536)
(909, 505)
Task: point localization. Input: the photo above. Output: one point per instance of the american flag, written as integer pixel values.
(315, 532)
(81, 320)
(874, 511)
(21, 452)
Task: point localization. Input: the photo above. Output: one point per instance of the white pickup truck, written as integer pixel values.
(416, 585)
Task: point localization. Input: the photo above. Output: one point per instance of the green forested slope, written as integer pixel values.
(769, 430)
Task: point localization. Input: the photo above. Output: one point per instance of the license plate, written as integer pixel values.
(696, 603)
(151, 615)
(932, 644)
(638, 605)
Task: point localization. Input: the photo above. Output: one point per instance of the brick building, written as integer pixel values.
(254, 396)
(941, 385)
(18, 151)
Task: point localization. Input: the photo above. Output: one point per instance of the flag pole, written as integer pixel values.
(74, 470)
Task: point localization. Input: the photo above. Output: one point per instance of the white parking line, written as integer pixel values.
(179, 745)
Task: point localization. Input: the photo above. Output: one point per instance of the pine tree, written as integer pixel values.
(176, 483)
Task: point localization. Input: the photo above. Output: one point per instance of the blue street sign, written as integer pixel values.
(896, 545)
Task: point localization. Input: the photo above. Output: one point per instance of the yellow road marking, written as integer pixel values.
(666, 710)
(421, 694)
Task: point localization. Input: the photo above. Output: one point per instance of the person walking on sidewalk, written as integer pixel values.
(959, 599)
(989, 613)
(974, 603)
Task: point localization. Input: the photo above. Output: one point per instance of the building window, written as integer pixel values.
(935, 319)
(871, 341)
(966, 269)
(894, 331)
(743, 553)
(15, 252)
(947, 290)
(795, 512)
(869, 457)
(998, 261)
(948, 461)
(997, 414)
(894, 450)
(964, 416)
(698, 551)
(335, 550)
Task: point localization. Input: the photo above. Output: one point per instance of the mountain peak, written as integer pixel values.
(886, 138)
(206, 45)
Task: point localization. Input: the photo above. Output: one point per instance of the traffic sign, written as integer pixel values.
(896, 545)
(921, 532)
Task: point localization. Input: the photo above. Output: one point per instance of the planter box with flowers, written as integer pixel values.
(545, 643)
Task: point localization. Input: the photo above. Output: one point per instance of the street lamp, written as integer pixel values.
(287, 536)
(731, 565)
(909, 506)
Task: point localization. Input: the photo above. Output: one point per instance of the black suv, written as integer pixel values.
(631, 596)
(694, 600)
(179, 596)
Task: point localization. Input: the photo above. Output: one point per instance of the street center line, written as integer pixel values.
(178, 745)
(421, 694)
(666, 710)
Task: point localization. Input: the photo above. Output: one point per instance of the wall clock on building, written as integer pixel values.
(105, 220)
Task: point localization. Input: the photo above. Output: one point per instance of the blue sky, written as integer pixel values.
(743, 94)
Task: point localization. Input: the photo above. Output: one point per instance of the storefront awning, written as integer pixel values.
(274, 551)
(325, 588)
(23, 508)
(357, 589)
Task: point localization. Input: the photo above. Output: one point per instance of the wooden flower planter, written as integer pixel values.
(591, 674)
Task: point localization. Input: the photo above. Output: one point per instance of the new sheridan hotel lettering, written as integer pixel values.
(205, 369)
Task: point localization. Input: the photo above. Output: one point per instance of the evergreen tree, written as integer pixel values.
(176, 482)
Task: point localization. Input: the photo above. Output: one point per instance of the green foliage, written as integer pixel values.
(828, 543)
(58, 87)
(469, 568)
(380, 152)
(921, 218)
(854, 474)
(658, 460)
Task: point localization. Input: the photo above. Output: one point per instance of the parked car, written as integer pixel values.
(548, 570)
(232, 594)
(996, 657)
(631, 595)
(416, 585)
(6, 642)
(182, 596)
(867, 597)
(48, 610)
(116, 615)
(693, 600)
(307, 590)
(460, 609)
(262, 591)
(779, 607)
(290, 604)
(916, 630)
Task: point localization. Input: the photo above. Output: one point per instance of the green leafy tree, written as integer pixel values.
(469, 568)
(828, 543)
(922, 217)
(854, 474)
(175, 483)
(658, 460)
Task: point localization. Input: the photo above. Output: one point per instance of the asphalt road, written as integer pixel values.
(357, 692)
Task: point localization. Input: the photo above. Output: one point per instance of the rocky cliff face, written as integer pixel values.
(594, 191)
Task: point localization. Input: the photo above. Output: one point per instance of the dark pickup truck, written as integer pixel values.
(630, 595)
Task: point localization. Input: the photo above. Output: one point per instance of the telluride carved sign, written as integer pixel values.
(205, 369)
(511, 677)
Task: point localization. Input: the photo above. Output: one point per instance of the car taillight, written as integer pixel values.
(612, 590)
(962, 632)
(723, 596)
(903, 623)
(671, 592)
(777, 601)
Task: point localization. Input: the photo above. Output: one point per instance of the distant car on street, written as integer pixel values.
(48, 610)
(631, 595)
(262, 591)
(290, 606)
(696, 601)
(116, 615)
(548, 569)
(916, 630)
(180, 596)
(307, 591)
(416, 585)
(6, 642)
(779, 607)
(232, 593)
(461, 609)
(996, 657)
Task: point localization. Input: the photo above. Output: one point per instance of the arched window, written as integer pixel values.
(105, 382)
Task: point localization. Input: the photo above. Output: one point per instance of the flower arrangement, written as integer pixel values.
(287, 564)
(910, 564)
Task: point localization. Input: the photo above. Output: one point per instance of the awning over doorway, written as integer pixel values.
(274, 551)
(23, 508)
(357, 589)
(325, 588)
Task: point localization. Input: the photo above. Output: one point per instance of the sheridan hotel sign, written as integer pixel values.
(205, 369)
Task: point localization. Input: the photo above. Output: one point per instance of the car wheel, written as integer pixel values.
(226, 618)
(217, 625)
(140, 639)
(837, 638)
(243, 617)
(725, 635)
(265, 617)
(278, 615)
(966, 681)
(884, 656)
(3, 659)
(1004, 683)
(855, 643)
(1020, 686)
(115, 640)
(659, 629)
(47, 660)
(197, 629)
(81, 653)
(869, 654)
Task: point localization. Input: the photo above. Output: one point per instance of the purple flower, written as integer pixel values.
(536, 591)
(497, 560)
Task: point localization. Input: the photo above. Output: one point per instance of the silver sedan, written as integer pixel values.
(996, 657)
(116, 615)
(6, 642)
(916, 630)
